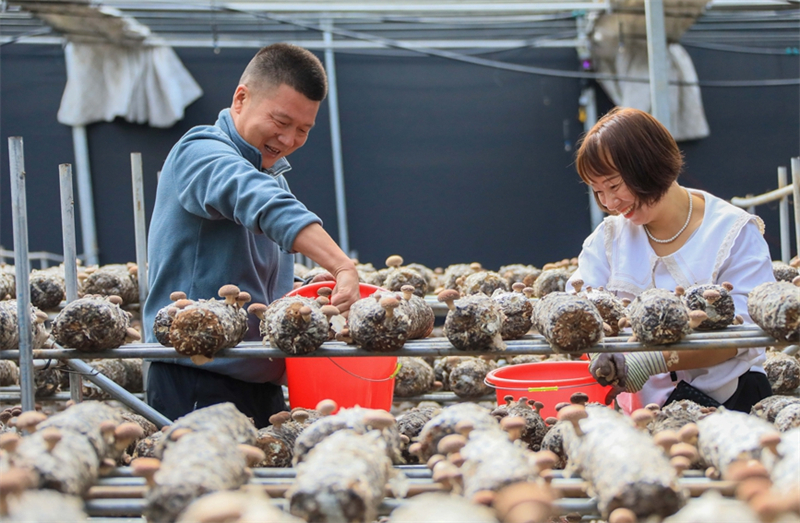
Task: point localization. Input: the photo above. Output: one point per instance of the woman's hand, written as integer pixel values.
(346, 292)
(609, 368)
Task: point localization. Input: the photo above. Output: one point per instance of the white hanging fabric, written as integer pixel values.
(142, 84)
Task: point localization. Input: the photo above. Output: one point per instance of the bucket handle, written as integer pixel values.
(551, 388)
(391, 376)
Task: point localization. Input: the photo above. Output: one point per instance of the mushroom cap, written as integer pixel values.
(389, 302)
(666, 439)
(9, 441)
(679, 290)
(512, 423)
(330, 310)
(433, 460)
(622, 515)
(579, 398)
(327, 406)
(279, 418)
(745, 469)
(680, 463)
(252, 455)
(475, 266)
(464, 427)
(144, 467)
(244, 297)
(128, 431)
(180, 304)
(133, 334)
(379, 419)
(407, 288)
(29, 419)
(113, 298)
(300, 415)
(551, 420)
(685, 450)
(15, 480)
(770, 440)
(642, 416)
(688, 433)
(727, 285)
(257, 308)
(560, 405)
(395, 260)
(448, 295)
(324, 291)
(545, 459)
(572, 413)
(52, 436)
(229, 291)
(577, 285)
(41, 316)
(177, 295)
(711, 295)
(305, 310)
(451, 443)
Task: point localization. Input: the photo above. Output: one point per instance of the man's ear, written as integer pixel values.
(240, 97)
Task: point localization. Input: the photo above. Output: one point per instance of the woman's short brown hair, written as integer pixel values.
(635, 145)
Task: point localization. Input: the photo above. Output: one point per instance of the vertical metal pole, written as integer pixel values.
(140, 225)
(783, 212)
(85, 197)
(796, 200)
(657, 59)
(20, 220)
(70, 258)
(588, 101)
(336, 138)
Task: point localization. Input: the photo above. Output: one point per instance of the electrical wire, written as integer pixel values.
(495, 64)
(743, 50)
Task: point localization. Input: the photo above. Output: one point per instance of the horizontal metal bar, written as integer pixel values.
(13, 396)
(761, 199)
(426, 347)
(441, 397)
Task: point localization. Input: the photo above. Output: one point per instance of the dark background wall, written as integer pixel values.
(444, 162)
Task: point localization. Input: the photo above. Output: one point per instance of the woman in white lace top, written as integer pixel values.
(661, 235)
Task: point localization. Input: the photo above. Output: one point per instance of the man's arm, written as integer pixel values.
(313, 242)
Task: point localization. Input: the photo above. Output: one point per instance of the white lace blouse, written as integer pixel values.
(728, 246)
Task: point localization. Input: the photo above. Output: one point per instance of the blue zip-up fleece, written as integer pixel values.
(219, 218)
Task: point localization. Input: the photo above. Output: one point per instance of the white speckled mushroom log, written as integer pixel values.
(783, 271)
(245, 506)
(395, 278)
(466, 379)
(517, 309)
(492, 461)
(277, 440)
(711, 506)
(658, 317)
(551, 280)
(71, 466)
(48, 288)
(410, 424)
(608, 305)
(222, 418)
(486, 282)
(535, 429)
(436, 507)
(126, 373)
(444, 424)
(415, 377)
(623, 465)
(788, 418)
(114, 280)
(775, 307)
(676, 415)
(517, 272)
(568, 322)
(769, 408)
(292, 332)
(726, 436)
(378, 326)
(475, 323)
(9, 329)
(204, 327)
(357, 420)
(453, 272)
(419, 313)
(785, 468)
(86, 418)
(783, 372)
(343, 479)
(9, 373)
(45, 506)
(91, 324)
(197, 464)
(716, 301)
(8, 287)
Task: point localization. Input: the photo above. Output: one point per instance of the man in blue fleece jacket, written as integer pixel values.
(224, 214)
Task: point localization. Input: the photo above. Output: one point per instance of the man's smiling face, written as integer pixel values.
(276, 121)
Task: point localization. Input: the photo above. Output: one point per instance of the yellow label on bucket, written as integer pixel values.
(542, 389)
(396, 370)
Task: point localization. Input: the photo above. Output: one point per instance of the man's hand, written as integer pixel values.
(346, 291)
(609, 369)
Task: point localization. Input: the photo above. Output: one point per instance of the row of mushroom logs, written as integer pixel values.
(201, 328)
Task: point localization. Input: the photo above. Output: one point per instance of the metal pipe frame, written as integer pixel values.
(761, 199)
(427, 347)
(783, 214)
(658, 62)
(16, 158)
(80, 145)
(796, 196)
(118, 393)
(70, 257)
(140, 224)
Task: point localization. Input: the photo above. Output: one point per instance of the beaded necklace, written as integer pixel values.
(688, 219)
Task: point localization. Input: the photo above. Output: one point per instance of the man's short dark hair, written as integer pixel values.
(635, 145)
(287, 64)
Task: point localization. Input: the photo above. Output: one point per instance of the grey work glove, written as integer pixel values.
(609, 368)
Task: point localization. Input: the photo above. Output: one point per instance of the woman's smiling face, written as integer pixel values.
(614, 195)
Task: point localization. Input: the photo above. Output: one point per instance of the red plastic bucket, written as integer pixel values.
(550, 382)
(367, 382)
